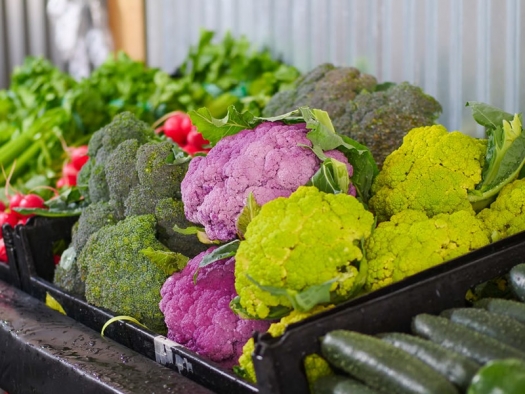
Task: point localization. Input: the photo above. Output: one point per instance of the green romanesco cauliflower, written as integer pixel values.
(124, 266)
(412, 242)
(306, 242)
(315, 365)
(506, 215)
(432, 172)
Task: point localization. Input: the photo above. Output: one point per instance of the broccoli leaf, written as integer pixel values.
(188, 230)
(331, 177)
(250, 210)
(168, 261)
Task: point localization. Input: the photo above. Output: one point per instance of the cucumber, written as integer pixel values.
(503, 328)
(337, 384)
(517, 281)
(479, 347)
(381, 365)
(510, 308)
(457, 368)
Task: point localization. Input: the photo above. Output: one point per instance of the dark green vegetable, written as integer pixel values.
(479, 347)
(517, 281)
(509, 308)
(338, 384)
(381, 365)
(504, 329)
(457, 368)
(500, 377)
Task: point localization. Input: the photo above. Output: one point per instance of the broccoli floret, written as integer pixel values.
(293, 244)
(375, 115)
(97, 184)
(141, 201)
(170, 213)
(325, 87)
(124, 126)
(411, 242)
(381, 119)
(121, 175)
(118, 274)
(156, 171)
(93, 218)
(83, 179)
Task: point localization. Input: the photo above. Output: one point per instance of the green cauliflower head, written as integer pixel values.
(295, 243)
(432, 172)
(412, 242)
(506, 215)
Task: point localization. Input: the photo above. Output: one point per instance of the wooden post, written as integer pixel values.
(127, 25)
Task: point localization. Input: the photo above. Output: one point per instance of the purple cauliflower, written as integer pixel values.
(198, 315)
(267, 161)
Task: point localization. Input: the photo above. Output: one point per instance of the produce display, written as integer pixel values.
(474, 350)
(237, 197)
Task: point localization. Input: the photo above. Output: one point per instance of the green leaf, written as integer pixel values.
(118, 318)
(168, 261)
(488, 116)
(504, 158)
(276, 312)
(332, 177)
(249, 211)
(222, 252)
(68, 203)
(188, 230)
(214, 129)
(302, 301)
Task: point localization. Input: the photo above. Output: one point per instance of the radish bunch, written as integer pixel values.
(77, 157)
(179, 129)
(9, 216)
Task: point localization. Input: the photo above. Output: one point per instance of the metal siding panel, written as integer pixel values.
(36, 24)
(4, 54)
(154, 33)
(16, 32)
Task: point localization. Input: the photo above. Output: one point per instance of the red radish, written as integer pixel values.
(56, 258)
(10, 218)
(3, 251)
(14, 200)
(79, 156)
(196, 139)
(2, 206)
(32, 201)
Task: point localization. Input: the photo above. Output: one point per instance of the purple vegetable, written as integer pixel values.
(267, 161)
(198, 315)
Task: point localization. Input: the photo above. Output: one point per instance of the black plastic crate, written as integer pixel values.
(33, 243)
(9, 271)
(279, 361)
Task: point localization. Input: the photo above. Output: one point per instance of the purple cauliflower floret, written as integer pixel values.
(267, 161)
(198, 315)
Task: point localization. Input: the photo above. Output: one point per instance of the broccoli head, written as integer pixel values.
(67, 273)
(121, 175)
(432, 171)
(121, 275)
(375, 115)
(310, 239)
(269, 161)
(506, 215)
(380, 119)
(325, 87)
(93, 218)
(198, 314)
(411, 242)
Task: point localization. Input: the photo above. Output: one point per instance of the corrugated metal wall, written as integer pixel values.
(457, 50)
(24, 30)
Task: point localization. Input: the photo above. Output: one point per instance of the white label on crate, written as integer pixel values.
(164, 354)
